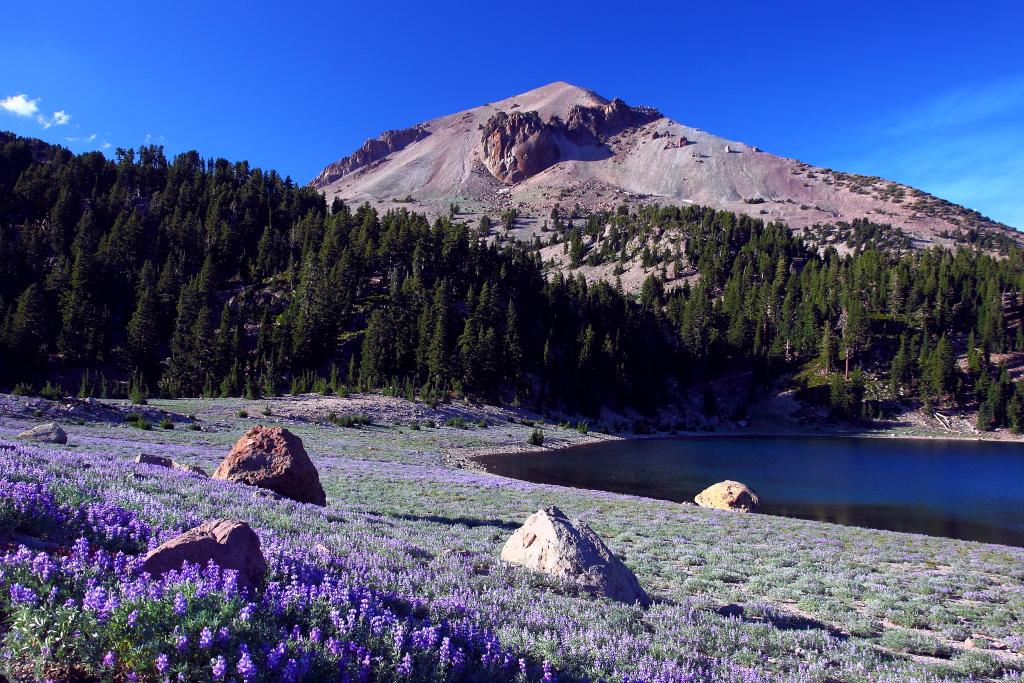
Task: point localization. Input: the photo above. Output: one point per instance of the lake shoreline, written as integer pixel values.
(470, 460)
(872, 481)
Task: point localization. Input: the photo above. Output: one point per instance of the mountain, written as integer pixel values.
(566, 145)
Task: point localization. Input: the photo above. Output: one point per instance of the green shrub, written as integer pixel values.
(914, 643)
(536, 438)
(481, 423)
(267, 411)
(457, 422)
(582, 427)
(137, 391)
(243, 414)
(23, 389)
(53, 392)
(194, 426)
(166, 424)
(38, 413)
(348, 420)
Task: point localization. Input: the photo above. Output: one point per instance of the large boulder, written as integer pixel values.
(47, 433)
(230, 544)
(548, 542)
(729, 495)
(161, 461)
(273, 458)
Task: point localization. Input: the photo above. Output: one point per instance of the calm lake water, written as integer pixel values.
(959, 489)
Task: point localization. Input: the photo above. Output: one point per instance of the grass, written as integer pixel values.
(819, 601)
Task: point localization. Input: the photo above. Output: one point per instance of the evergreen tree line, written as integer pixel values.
(197, 276)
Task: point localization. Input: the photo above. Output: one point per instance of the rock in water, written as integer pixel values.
(551, 544)
(47, 433)
(273, 458)
(729, 495)
(230, 544)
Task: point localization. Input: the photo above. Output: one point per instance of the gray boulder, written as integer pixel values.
(46, 433)
(549, 543)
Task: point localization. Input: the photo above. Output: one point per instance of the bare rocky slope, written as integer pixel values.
(562, 144)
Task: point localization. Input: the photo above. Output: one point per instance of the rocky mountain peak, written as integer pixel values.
(518, 145)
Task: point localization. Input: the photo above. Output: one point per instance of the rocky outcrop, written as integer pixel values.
(593, 124)
(161, 461)
(273, 458)
(729, 495)
(230, 544)
(517, 146)
(548, 542)
(46, 433)
(390, 141)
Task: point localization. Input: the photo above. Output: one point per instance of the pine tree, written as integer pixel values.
(144, 326)
(25, 335)
(82, 333)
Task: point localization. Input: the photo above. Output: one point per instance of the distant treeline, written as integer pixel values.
(209, 277)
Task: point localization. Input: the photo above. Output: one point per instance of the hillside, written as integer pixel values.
(564, 145)
(103, 292)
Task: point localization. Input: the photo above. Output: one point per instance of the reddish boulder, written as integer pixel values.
(230, 544)
(273, 458)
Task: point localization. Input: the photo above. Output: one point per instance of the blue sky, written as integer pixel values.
(931, 94)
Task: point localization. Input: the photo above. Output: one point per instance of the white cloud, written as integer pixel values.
(20, 105)
(81, 138)
(59, 118)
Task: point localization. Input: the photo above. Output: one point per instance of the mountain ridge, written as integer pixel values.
(649, 158)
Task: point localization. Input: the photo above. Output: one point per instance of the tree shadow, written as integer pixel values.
(784, 621)
(470, 522)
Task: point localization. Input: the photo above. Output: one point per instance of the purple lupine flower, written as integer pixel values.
(404, 667)
(205, 637)
(218, 667)
(246, 612)
(180, 604)
(109, 659)
(246, 667)
(549, 677)
(291, 671)
(23, 595)
(162, 663)
(181, 643)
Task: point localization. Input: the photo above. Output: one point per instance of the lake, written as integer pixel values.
(959, 489)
